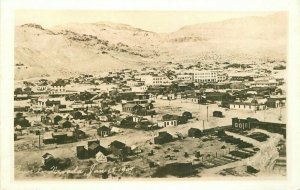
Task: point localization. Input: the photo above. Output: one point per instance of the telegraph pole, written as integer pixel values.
(207, 113)
(39, 134)
(280, 114)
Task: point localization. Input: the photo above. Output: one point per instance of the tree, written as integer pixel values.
(22, 122)
(77, 115)
(19, 115)
(18, 91)
(187, 114)
(27, 90)
(57, 119)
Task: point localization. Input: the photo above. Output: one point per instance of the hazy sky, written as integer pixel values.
(157, 21)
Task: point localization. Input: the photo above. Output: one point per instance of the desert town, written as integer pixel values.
(196, 120)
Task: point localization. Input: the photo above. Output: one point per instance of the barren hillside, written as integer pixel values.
(95, 47)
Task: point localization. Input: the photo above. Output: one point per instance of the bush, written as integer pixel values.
(252, 170)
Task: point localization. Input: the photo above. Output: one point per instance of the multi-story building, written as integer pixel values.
(221, 77)
(185, 77)
(263, 83)
(59, 87)
(155, 80)
(139, 88)
(135, 83)
(205, 76)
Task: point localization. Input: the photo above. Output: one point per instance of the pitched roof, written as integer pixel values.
(104, 128)
(93, 146)
(118, 144)
(59, 83)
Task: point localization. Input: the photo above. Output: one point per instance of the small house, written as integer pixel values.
(104, 131)
(48, 161)
(48, 138)
(194, 132)
(82, 152)
(187, 114)
(103, 118)
(100, 157)
(64, 124)
(171, 122)
(119, 149)
(59, 137)
(217, 114)
(273, 103)
(94, 147)
(163, 137)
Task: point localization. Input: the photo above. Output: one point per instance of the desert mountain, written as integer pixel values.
(96, 47)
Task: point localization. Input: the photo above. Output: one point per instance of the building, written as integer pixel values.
(59, 87)
(185, 77)
(194, 132)
(155, 80)
(82, 152)
(275, 102)
(217, 114)
(163, 137)
(167, 123)
(244, 124)
(250, 123)
(132, 83)
(187, 114)
(263, 83)
(139, 88)
(93, 149)
(247, 106)
(241, 77)
(49, 102)
(129, 107)
(119, 149)
(205, 76)
(104, 131)
(222, 77)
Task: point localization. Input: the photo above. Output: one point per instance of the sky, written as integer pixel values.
(155, 21)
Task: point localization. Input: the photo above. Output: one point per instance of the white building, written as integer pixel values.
(247, 106)
(185, 77)
(42, 101)
(167, 123)
(263, 83)
(205, 76)
(221, 77)
(158, 80)
(59, 87)
(135, 83)
(139, 88)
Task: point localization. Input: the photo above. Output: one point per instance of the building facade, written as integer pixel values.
(205, 76)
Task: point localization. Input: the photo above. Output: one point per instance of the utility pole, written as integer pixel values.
(39, 134)
(280, 114)
(207, 113)
(203, 125)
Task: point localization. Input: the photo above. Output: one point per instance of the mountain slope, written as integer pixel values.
(96, 47)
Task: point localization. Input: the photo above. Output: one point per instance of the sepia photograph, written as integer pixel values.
(116, 95)
(102, 94)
